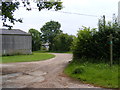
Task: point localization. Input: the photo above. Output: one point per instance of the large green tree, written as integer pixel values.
(49, 31)
(8, 8)
(36, 39)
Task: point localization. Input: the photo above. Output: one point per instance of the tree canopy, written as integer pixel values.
(36, 39)
(8, 9)
(49, 31)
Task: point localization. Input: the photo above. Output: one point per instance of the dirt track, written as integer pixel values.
(40, 74)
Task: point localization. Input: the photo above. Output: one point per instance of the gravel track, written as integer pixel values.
(40, 74)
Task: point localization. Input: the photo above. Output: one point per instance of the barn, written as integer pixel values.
(15, 41)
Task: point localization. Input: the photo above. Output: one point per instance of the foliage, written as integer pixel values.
(49, 31)
(101, 23)
(8, 9)
(36, 39)
(83, 44)
(91, 43)
(27, 58)
(63, 42)
(98, 74)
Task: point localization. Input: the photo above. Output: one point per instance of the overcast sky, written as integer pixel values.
(70, 23)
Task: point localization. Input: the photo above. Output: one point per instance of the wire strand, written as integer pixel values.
(69, 12)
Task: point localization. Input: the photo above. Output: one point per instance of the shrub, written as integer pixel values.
(95, 44)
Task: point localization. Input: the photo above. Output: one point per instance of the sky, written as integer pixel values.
(70, 23)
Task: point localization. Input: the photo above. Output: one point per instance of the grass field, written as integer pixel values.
(97, 74)
(69, 52)
(27, 58)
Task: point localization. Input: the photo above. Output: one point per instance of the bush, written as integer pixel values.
(95, 44)
(62, 42)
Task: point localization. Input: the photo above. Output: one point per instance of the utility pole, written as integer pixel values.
(111, 50)
(104, 22)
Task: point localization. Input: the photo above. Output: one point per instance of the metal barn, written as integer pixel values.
(15, 42)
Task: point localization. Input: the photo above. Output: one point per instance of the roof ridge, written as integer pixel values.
(13, 31)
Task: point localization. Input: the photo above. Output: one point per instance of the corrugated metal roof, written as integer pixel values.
(13, 32)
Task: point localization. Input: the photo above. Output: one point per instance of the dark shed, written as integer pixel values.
(15, 41)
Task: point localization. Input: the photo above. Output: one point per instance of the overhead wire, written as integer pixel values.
(65, 12)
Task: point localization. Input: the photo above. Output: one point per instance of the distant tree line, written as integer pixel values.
(95, 44)
(50, 33)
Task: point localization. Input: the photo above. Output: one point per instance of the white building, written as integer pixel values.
(45, 46)
(119, 13)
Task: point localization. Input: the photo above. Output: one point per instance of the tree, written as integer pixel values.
(36, 39)
(63, 42)
(8, 9)
(49, 31)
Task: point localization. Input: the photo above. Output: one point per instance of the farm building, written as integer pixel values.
(15, 42)
(45, 46)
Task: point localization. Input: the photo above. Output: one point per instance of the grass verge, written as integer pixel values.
(97, 74)
(27, 58)
(68, 52)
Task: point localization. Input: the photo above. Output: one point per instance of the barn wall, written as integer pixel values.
(16, 44)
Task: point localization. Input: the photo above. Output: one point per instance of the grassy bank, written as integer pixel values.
(27, 58)
(97, 74)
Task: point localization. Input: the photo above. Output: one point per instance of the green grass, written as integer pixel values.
(27, 58)
(93, 73)
(69, 52)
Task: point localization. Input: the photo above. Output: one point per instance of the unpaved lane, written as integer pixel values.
(40, 74)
